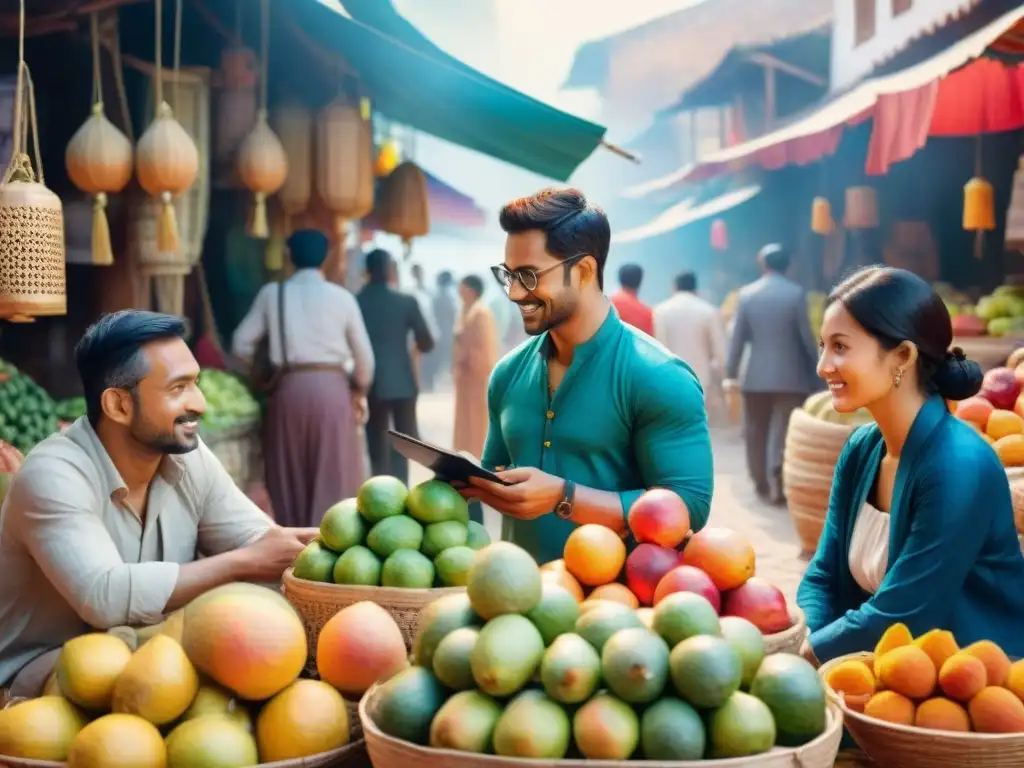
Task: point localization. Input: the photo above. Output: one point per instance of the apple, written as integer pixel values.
(1001, 388)
(659, 517)
(761, 603)
(645, 568)
(686, 578)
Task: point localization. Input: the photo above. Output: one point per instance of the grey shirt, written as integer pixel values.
(74, 556)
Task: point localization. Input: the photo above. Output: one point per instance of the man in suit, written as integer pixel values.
(772, 321)
(390, 316)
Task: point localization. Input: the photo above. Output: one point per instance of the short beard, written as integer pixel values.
(161, 442)
(563, 307)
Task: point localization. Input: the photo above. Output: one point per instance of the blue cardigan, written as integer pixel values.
(954, 558)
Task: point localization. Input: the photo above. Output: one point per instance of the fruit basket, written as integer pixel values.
(388, 752)
(789, 640)
(987, 351)
(901, 745)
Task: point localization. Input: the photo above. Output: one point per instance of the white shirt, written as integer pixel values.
(869, 548)
(322, 325)
(691, 328)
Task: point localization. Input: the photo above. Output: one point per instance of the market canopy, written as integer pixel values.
(687, 212)
(906, 106)
(414, 82)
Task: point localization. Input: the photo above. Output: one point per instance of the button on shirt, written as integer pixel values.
(627, 416)
(73, 556)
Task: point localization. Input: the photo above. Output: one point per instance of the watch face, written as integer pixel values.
(564, 510)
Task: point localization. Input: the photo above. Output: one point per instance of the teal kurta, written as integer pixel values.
(627, 416)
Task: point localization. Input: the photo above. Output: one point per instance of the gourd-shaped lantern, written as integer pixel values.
(387, 159)
(262, 167)
(237, 100)
(979, 206)
(99, 160)
(404, 208)
(1015, 213)
(821, 216)
(861, 208)
(293, 124)
(344, 163)
(719, 235)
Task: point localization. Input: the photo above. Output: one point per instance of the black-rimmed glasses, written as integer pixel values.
(528, 277)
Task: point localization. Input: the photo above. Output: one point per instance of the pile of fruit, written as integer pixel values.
(28, 414)
(217, 684)
(819, 406)
(997, 412)
(228, 401)
(70, 409)
(517, 667)
(391, 536)
(929, 682)
(1001, 313)
(716, 563)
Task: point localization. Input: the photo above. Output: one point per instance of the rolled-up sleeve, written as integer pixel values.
(253, 326)
(228, 518)
(50, 509)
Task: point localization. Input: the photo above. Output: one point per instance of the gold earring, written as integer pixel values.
(897, 377)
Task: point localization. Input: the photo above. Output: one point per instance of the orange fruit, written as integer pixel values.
(563, 579)
(616, 593)
(594, 555)
(724, 555)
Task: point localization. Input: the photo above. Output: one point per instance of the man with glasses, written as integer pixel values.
(589, 413)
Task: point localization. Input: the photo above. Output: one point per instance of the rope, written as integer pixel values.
(97, 81)
(177, 52)
(158, 54)
(264, 51)
(20, 165)
(122, 91)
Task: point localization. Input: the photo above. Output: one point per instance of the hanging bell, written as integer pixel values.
(1015, 213)
(821, 217)
(719, 235)
(979, 206)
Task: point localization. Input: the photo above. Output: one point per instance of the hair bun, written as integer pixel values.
(957, 378)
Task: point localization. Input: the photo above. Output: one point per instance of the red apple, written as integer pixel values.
(761, 603)
(1001, 388)
(686, 578)
(659, 517)
(645, 567)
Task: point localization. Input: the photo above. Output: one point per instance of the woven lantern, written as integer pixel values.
(404, 208)
(293, 124)
(821, 216)
(387, 159)
(979, 206)
(1015, 213)
(861, 208)
(344, 163)
(719, 235)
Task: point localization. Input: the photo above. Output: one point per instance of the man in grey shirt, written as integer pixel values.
(102, 525)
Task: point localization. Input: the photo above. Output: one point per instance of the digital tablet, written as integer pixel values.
(447, 465)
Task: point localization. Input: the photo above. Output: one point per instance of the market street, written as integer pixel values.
(734, 506)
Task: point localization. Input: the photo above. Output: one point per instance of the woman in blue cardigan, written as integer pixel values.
(920, 522)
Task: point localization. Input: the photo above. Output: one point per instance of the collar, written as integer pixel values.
(609, 329)
(927, 420)
(172, 468)
(308, 274)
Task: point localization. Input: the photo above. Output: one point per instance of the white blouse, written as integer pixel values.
(869, 548)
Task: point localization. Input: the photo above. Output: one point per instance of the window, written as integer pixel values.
(864, 20)
(901, 6)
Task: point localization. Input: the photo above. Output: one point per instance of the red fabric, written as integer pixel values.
(901, 126)
(986, 96)
(208, 356)
(634, 312)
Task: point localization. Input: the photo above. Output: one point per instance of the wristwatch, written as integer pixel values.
(564, 508)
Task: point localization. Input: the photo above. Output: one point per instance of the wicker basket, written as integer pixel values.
(987, 351)
(902, 746)
(317, 603)
(389, 752)
(812, 450)
(789, 640)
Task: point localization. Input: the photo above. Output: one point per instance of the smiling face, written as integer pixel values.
(859, 371)
(557, 294)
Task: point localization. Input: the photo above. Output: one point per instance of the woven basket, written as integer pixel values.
(317, 603)
(389, 752)
(902, 746)
(987, 351)
(789, 640)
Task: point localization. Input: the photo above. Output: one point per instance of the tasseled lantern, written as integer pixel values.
(344, 163)
(1015, 213)
(404, 208)
(979, 206)
(387, 159)
(293, 124)
(821, 216)
(861, 208)
(262, 167)
(719, 235)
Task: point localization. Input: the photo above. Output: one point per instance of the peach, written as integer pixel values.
(962, 676)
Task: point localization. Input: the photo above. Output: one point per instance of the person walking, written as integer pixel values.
(771, 320)
(627, 303)
(390, 316)
(312, 451)
(475, 354)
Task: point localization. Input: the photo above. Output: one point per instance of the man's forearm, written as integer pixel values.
(598, 507)
(199, 577)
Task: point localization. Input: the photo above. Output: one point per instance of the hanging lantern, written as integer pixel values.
(344, 163)
(262, 167)
(861, 208)
(236, 105)
(387, 159)
(293, 124)
(1015, 213)
(821, 216)
(979, 206)
(404, 208)
(719, 235)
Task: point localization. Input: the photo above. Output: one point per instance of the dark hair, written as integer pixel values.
(474, 283)
(894, 306)
(774, 257)
(630, 276)
(444, 279)
(308, 248)
(570, 224)
(686, 281)
(416, 271)
(109, 354)
(377, 263)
